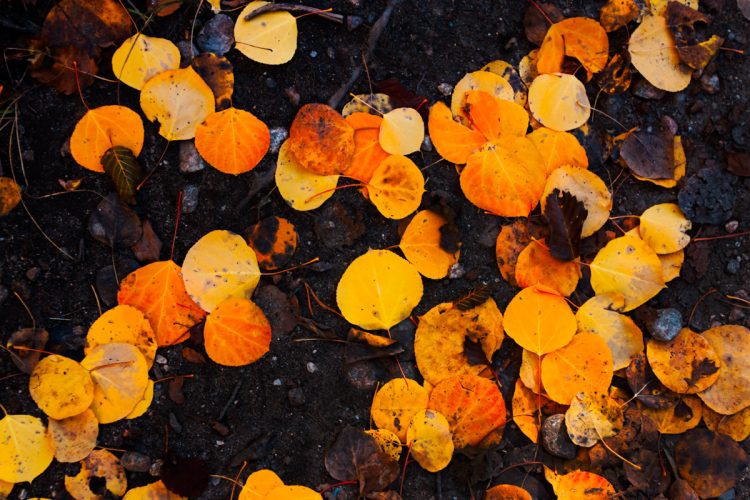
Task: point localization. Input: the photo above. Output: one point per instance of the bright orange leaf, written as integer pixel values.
(580, 37)
(100, 129)
(540, 320)
(237, 332)
(558, 149)
(496, 118)
(367, 151)
(232, 141)
(453, 141)
(421, 244)
(537, 266)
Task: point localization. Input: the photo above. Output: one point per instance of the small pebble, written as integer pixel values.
(555, 437)
(456, 271)
(362, 375)
(271, 83)
(33, 273)
(296, 396)
(187, 52)
(278, 136)
(190, 198)
(427, 143)
(23, 494)
(312, 367)
(217, 35)
(666, 325)
(155, 469)
(731, 226)
(277, 382)
(190, 159)
(645, 90)
(445, 88)
(292, 95)
(331, 53)
(174, 423)
(733, 266)
(135, 462)
(160, 359)
(710, 84)
(313, 54)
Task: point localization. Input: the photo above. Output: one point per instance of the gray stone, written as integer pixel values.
(217, 35)
(155, 469)
(362, 375)
(666, 324)
(445, 88)
(190, 198)
(187, 52)
(278, 136)
(135, 462)
(733, 266)
(190, 159)
(555, 437)
(731, 226)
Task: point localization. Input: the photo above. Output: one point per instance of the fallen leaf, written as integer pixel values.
(680, 416)
(114, 223)
(421, 245)
(153, 491)
(122, 166)
(218, 73)
(617, 76)
(586, 187)
(453, 140)
(506, 492)
(259, 484)
(274, 240)
(26, 448)
(99, 464)
(396, 187)
(593, 416)
(582, 38)
(125, 324)
(736, 426)
(711, 463)
(321, 140)
(143, 405)
(680, 162)
(618, 13)
(653, 54)
(148, 248)
(646, 387)
(401, 131)
(537, 19)
(232, 141)
(511, 240)
(558, 149)
(269, 38)
(367, 151)
(375, 104)
(651, 155)
(397, 401)
(565, 216)
(601, 315)
(530, 371)
(100, 130)
(293, 492)
(61, 387)
(496, 119)
(429, 439)
(537, 266)
(236, 333)
(540, 320)
(33, 338)
(401, 97)
(10, 195)
(301, 188)
(142, 57)
(559, 101)
(579, 485)
(664, 228)
(688, 364)
(494, 85)
(530, 409)
(388, 442)
(509, 74)
(731, 391)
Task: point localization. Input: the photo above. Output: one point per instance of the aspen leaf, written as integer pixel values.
(102, 128)
(10, 195)
(539, 320)
(580, 37)
(681, 416)
(593, 416)
(527, 67)
(378, 290)
(442, 333)
(653, 53)
(218, 266)
(537, 266)
(588, 188)
(301, 189)
(559, 102)
(565, 215)
(686, 364)
(584, 364)
(237, 332)
(506, 492)
(671, 263)
(218, 73)
(122, 166)
(421, 244)
(402, 131)
(558, 149)
(430, 441)
(142, 57)
(6, 488)
(293, 492)
(600, 315)
(629, 267)
(26, 448)
(529, 410)
(680, 162)
(731, 391)
(618, 13)
(61, 387)
(120, 375)
(496, 118)
(388, 442)
(180, 100)
(368, 103)
(506, 179)
(232, 141)
(453, 140)
(530, 371)
(659, 7)
(259, 484)
(509, 74)
(396, 187)
(579, 485)
(126, 324)
(474, 408)
(321, 140)
(269, 38)
(736, 426)
(711, 463)
(99, 464)
(664, 228)
(488, 82)
(274, 240)
(153, 491)
(367, 151)
(511, 241)
(142, 406)
(397, 401)
(158, 291)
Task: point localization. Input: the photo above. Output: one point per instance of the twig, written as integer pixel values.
(229, 401)
(351, 22)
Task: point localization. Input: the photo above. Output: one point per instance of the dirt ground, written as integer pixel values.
(231, 415)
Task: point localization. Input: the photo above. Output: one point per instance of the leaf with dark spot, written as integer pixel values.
(703, 368)
(681, 20)
(122, 166)
(711, 463)
(362, 345)
(403, 97)
(565, 216)
(476, 297)
(650, 154)
(646, 387)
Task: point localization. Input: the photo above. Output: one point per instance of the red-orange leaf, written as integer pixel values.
(237, 333)
(454, 141)
(232, 141)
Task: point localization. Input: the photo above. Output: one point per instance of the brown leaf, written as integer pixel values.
(650, 154)
(192, 356)
(617, 75)
(175, 390)
(565, 216)
(55, 68)
(711, 463)
(476, 297)
(114, 223)
(536, 23)
(33, 338)
(646, 386)
(218, 73)
(148, 248)
(361, 346)
(402, 97)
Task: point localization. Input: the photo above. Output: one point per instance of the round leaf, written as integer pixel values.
(99, 464)
(593, 416)
(102, 128)
(486, 81)
(74, 437)
(396, 403)
(539, 320)
(735, 426)
(302, 189)
(599, 315)
(61, 387)
(269, 38)
(232, 141)
(321, 140)
(506, 492)
(678, 418)
(421, 244)
(686, 364)
(259, 484)
(430, 441)
(453, 141)
(396, 187)
(653, 54)
(26, 448)
(537, 266)
(731, 391)
(142, 57)
(123, 324)
(664, 228)
(274, 240)
(388, 441)
(237, 332)
(588, 188)
(711, 463)
(559, 102)
(558, 149)
(402, 131)
(496, 118)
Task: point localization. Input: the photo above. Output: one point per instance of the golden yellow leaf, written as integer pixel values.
(618, 13)
(664, 228)
(629, 267)
(388, 442)
(653, 54)
(120, 375)
(584, 364)
(495, 118)
(396, 187)
(540, 320)
(153, 491)
(100, 129)
(10, 195)
(579, 485)
(452, 140)
(61, 387)
(142, 406)
(293, 492)
(537, 266)
(179, 100)
(269, 38)
(682, 416)
(530, 371)
(735, 426)
(402, 131)
(99, 464)
(593, 416)
(397, 401)
(558, 149)
(218, 266)
(671, 263)
(368, 103)
(232, 141)
(142, 57)
(301, 189)
(580, 37)
(731, 391)
(528, 410)
(6, 488)
(588, 188)
(259, 484)
(489, 82)
(686, 364)
(237, 332)
(26, 448)
(74, 437)
(509, 74)
(600, 315)
(126, 324)
(430, 441)
(421, 244)
(559, 102)
(527, 67)
(659, 7)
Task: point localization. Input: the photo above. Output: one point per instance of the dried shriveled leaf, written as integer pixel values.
(142, 57)
(274, 240)
(158, 291)
(537, 18)
(580, 37)
(122, 166)
(617, 75)
(301, 188)
(375, 104)
(586, 187)
(664, 228)
(259, 484)
(681, 20)
(218, 266)
(33, 338)
(402, 131)
(99, 464)
(269, 38)
(511, 240)
(430, 441)
(651, 155)
(601, 315)
(559, 101)
(680, 162)
(321, 140)
(367, 151)
(453, 140)
(539, 320)
(579, 485)
(153, 491)
(421, 244)
(537, 266)
(488, 82)
(565, 215)
(102, 128)
(731, 391)
(495, 118)
(26, 448)
(355, 455)
(688, 364)
(506, 492)
(397, 401)
(735, 426)
(396, 187)
(711, 463)
(61, 387)
(653, 53)
(558, 149)
(618, 13)
(593, 416)
(680, 416)
(232, 141)
(583, 365)
(218, 73)
(10, 195)
(237, 332)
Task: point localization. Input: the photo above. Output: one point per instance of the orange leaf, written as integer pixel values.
(159, 292)
(618, 13)
(274, 240)
(579, 485)
(100, 129)
(232, 141)
(321, 140)
(511, 240)
(237, 332)
(454, 141)
(558, 149)
(367, 151)
(396, 187)
(540, 320)
(536, 265)
(579, 37)
(506, 492)
(496, 118)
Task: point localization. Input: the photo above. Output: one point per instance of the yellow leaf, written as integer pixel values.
(126, 324)
(26, 448)
(559, 101)
(236, 332)
(6, 488)
(100, 129)
(402, 131)
(664, 228)
(579, 485)
(388, 441)
(232, 141)
(618, 13)
(421, 244)
(215, 6)
(99, 464)
(120, 376)
(396, 187)
(61, 387)
(682, 416)
(659, 7)
(731, 391)
(292, 492)
(671, 263)
(686, 364)
(153, 491)
(218, 266)
(429, 438)
(653, 53)
(10, 195)
(180, 100)
(629, 267)
(593, 416)
(530, 371)
(259, 484)
(580, 37)
(537, 266)
(74, 437)
(142, 57)
(302, 189)
(378, 290)
(735, 426)
(588, 188)
(142, 406)
(379, 104)
(509, 74)
(269, 38)
(558, 149)
(486, 81)
(540, 320)
(397, 401)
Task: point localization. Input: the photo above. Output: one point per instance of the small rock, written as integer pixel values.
(217, 35)
(33, 273)
(155, 469)
(427, 143)
(187, 52)
(313, 54)
(271, 83)
(190, 198)
(456, 271)
(445, 88)
(645, 90)
(728, 495)
(666, 324)
(362, 375)
(731, 226)
(160, 359)
(174, 423)
(190, 159)
(555, 437)
(278, 136)
(710, 84)
(708, 196)
(292, 95)
(278, 382)
(736, 315)
(135, 462)
(296, 396)
(312, 367)
(733, 266)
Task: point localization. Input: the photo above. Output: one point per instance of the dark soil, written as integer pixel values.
(255, 413)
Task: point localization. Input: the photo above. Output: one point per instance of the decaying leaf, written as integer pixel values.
(321, 140)
(511, 240)
(617, 75)
(712, 463)
(646, 387)
(537, 18)
(375, 104)
(10, 195)
(680, 416)
(735, 426)
(388, 442)
(579, 485)
(731, 391)
(618, 13)
(122, 166)
(301, 188)
(33, 338)
(396, 187)
(586, 187)
(421, 244)
(593, 416)
(153, 491)
(61, 387)
(274, 240)
(218, 73)
(99, 464)
(650, 155)
(565, 215)
(396, 402)
(509, 73)
(681, 20)
(688, 364)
